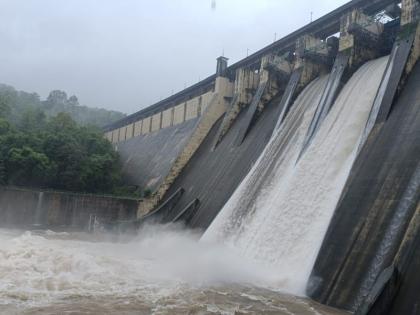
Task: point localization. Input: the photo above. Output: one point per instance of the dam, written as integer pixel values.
(288, 182)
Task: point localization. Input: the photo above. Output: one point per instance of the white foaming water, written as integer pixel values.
(289, 212)
(39, 268)
(278, 157)
(162, 271)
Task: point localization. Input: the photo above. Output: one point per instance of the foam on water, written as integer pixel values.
(38, 268)
(164, 270)
(285, 220)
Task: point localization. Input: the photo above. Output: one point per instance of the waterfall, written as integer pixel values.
(39, 211)
(281, 211)
(280, 154)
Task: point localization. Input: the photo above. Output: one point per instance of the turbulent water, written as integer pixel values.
(162, 270)
(292, 201)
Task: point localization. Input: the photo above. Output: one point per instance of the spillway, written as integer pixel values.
(376, 215)
(281, 211)
(283, 149)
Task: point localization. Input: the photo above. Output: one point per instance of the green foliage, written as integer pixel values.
(147, 193)
(4, 106)
(28, 167)
(57, 102)
(4, 126)
(55, 152)
(32, 120)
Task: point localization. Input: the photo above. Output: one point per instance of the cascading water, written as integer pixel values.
(39, 211)
(280, 212)
(280, 154)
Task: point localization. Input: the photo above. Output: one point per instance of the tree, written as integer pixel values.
(62, 123)
(73, 101)
(4, 126)
(4, 106)
(43, 149)
(32, 119)
(28, 167)
(13, 103)
(57, 97)
(3, 175)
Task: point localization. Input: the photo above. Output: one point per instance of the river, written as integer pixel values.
(161, 270)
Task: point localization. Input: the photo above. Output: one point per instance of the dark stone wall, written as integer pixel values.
(212, 176)
(407, 299)
(28, 208)
(147, 159)
(375, 210)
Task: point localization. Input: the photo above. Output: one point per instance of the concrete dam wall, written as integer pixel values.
(147, 159)
(306, 158)
(54, 210)
(212, 175)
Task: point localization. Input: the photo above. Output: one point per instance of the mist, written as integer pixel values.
(157, 261)
(127, 55)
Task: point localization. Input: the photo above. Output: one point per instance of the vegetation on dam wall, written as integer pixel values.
(56, 153)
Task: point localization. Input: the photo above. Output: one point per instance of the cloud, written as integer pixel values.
(126, 55)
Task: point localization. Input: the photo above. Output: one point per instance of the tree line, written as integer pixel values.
(55, 152)
(56, 102)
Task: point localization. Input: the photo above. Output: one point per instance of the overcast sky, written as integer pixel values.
(128, 54)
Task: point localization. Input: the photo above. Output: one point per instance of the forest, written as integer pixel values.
(56, 102)
(43, 147)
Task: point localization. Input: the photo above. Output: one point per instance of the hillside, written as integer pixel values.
(56, 102)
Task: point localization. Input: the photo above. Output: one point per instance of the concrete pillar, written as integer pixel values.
(244, 85)
(359, 37)
(410, 11)
(223, 86)
(172, 115)
(137, 128)
(167, 118)
(222, 63)
(146, 124)
(312, 57)
(179, 114)
(115, 135)
(129, 131)
(156, 122)
(200, 101)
